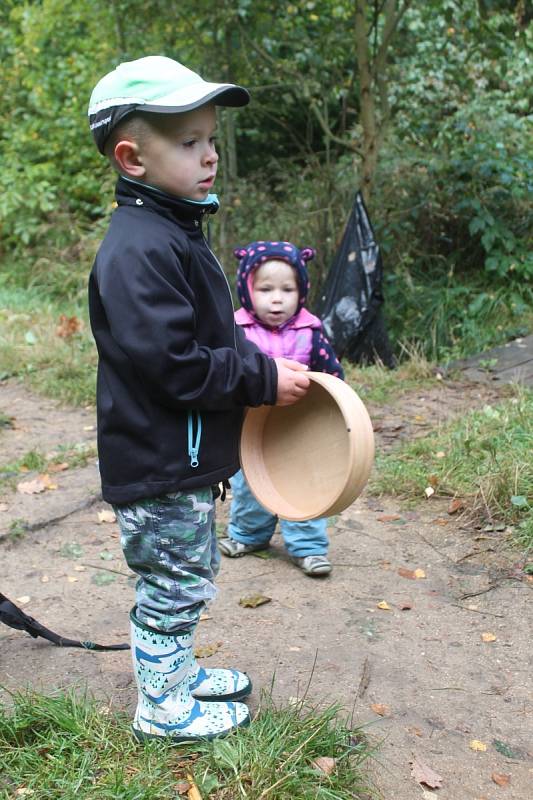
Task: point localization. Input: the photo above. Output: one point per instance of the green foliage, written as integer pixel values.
(451, 203)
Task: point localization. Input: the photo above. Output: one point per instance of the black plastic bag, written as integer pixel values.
(351, 300)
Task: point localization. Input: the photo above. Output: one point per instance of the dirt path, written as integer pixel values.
(423, 658)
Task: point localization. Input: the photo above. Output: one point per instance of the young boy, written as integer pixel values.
(272, 284)
(174, 377)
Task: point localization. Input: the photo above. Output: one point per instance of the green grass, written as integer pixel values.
(483, 457)
(32, 350)
(378, 385)
(64, 746)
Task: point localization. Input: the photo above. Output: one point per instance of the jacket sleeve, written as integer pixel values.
(323, 357)
(150, 316)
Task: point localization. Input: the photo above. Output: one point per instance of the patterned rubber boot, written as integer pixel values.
(162, 665)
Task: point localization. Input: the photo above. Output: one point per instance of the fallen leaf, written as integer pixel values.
(411, 574)
(68, 326)
(71, 579)
(45, 579)
(182, 787)
(324, 764)
(254, 600)
(455, 505)
(480, 747)
(31, 487)
(440, 521)
(207, 650)
(506, 750)
(384, 606)
(416, 731)
(204, 617)
(388, 517)
(58, 467)
(424, 774)
(433, 480)
(440, 454)
(79, 568)
(106, 516)
(488, 637)
(382, 709)
(23, 600)
(501, 779)
(429, 491)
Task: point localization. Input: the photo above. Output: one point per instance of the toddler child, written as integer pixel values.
(174, 377)
(272, 285)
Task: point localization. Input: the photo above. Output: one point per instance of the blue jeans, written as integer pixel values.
(250, 523)
(170, 543)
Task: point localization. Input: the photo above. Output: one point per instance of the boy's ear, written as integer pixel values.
(128, 159)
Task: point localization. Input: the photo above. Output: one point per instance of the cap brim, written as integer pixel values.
(222, 94)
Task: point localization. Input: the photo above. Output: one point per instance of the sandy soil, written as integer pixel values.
(422, 662)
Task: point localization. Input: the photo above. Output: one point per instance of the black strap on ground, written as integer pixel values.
(12, 616)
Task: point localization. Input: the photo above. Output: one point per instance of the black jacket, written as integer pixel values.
(162, 316)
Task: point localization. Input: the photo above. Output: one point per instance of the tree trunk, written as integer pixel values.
(367, 101)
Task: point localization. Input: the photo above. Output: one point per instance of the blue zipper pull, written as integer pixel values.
(194, 447)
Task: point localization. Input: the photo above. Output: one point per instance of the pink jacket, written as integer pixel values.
(294, 339)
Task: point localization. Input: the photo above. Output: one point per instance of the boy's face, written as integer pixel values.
(179, 155)
(275, 292)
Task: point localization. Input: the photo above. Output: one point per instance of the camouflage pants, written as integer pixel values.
(170, 542)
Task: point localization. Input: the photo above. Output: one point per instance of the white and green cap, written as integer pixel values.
(154, 84)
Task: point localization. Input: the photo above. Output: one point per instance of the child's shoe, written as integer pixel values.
(315, 566)
(166, 708)
(233, 549)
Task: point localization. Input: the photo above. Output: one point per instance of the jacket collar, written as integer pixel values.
(132, 193)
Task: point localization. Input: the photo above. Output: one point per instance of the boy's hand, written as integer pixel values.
(293, 383)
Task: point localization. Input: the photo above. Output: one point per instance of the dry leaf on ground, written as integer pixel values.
(488, 637)
(501, 779)
(384, 606)
(23, 600)
(429, 491)
(58, 467)
(480, 747)
(388, 517)
(411, 574)
(325, 764)
(424, 774)
(254, 600)
(382, 709)
(36, 486)
(106, 516)
(68, 326)
(182, 787)
(455, 505)
(207, 650)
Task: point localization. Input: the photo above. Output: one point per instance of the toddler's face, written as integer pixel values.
(275, 292)
(179, 155)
